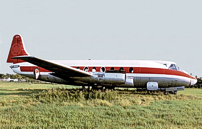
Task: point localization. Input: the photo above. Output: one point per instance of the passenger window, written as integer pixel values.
(94, 69)
(102, 69)
(121, 69)
(86, 69)
(173, 67)
(112, 68)
(131, 70)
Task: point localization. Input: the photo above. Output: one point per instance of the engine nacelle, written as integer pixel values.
(104, 78)
(129, 83)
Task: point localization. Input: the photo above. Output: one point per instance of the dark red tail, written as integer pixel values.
(17, 49)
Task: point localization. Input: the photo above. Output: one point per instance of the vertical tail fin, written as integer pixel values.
(17, 49)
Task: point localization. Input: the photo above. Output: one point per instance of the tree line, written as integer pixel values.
(19, 77)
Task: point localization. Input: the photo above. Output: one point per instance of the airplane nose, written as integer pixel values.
(193, 81)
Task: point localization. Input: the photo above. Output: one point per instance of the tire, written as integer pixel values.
(165, 93)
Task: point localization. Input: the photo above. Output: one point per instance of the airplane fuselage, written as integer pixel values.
(142, 72)
(151, 75)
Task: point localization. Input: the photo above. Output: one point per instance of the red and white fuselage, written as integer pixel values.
(116, 73)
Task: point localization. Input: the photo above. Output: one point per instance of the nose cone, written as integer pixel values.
(193, 81)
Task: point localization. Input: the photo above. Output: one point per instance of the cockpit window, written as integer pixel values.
(173, 67)
(177, 67)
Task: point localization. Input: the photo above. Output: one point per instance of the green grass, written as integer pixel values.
(12, 90)
(47, 106)
(192, 91)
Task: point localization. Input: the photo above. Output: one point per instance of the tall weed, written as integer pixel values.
(74, 108)
(75, 95)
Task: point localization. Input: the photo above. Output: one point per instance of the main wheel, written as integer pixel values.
(165, 93)
(83, 88)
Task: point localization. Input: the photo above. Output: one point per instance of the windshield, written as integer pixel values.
(173, 67)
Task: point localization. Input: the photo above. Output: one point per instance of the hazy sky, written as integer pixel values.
(107, 29)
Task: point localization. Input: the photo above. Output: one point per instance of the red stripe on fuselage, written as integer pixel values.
(144, 70)
(162, 71)
(31, 69)
(136, 70)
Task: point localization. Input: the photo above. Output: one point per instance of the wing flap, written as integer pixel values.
(54, 67)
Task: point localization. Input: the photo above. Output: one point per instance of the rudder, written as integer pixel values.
(17, 49)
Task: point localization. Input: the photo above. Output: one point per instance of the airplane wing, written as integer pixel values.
(57, 69)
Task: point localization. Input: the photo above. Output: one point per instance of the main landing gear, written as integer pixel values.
(170, 92)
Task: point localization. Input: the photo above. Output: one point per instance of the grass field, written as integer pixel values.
(25, 105)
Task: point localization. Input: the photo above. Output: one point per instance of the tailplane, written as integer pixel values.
(17, 49)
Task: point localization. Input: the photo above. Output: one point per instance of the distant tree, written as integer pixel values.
(7, 75)
(19, 77)
(1, 75)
